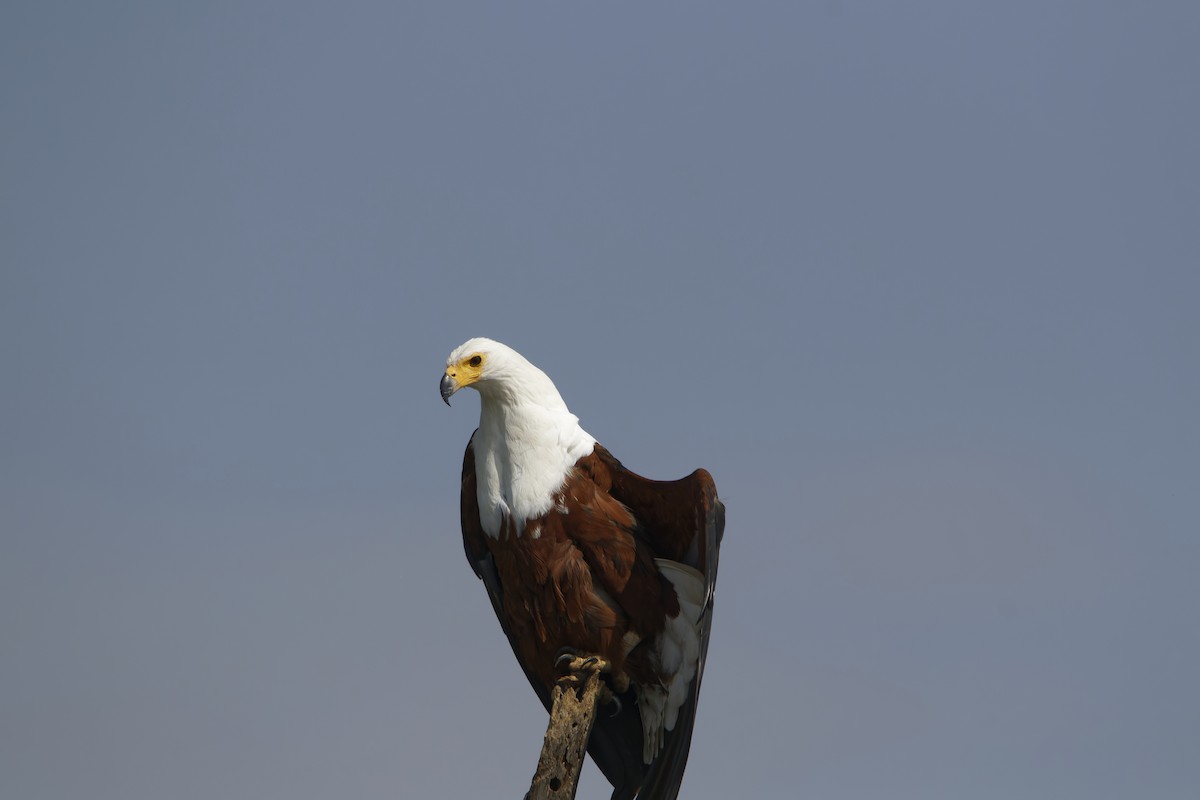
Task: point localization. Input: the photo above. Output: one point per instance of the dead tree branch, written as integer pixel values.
(571, 717)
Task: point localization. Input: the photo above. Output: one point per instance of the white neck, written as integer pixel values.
(527, 443)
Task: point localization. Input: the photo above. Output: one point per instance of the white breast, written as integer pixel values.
(523, 455)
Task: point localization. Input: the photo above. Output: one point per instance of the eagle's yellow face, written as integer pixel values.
(463, 372)
(467, 369)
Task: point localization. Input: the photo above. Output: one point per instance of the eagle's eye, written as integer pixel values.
(475, 361)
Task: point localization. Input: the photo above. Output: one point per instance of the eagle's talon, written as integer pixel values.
(569, 662)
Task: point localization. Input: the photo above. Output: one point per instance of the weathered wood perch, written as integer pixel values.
(572, 714)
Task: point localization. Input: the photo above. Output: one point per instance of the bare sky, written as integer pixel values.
(917, 282)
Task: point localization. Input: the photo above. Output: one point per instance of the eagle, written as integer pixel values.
(580, 555)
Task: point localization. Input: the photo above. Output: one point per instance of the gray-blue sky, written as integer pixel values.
(916, 282)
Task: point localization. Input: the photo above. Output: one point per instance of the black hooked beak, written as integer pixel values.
(448, 386)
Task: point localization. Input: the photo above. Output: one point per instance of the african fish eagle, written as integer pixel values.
(579, 553)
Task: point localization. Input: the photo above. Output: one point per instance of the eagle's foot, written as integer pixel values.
(576, 668)
(573, 664)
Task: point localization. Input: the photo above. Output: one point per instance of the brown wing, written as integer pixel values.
(682, 521)
(484, 565)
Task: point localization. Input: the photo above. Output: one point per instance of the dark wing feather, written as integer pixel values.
(683, 521)
(483, 563)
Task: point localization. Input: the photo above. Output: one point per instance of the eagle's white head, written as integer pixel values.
(500, 374)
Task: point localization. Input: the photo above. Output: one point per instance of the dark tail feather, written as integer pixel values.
(616, 746)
